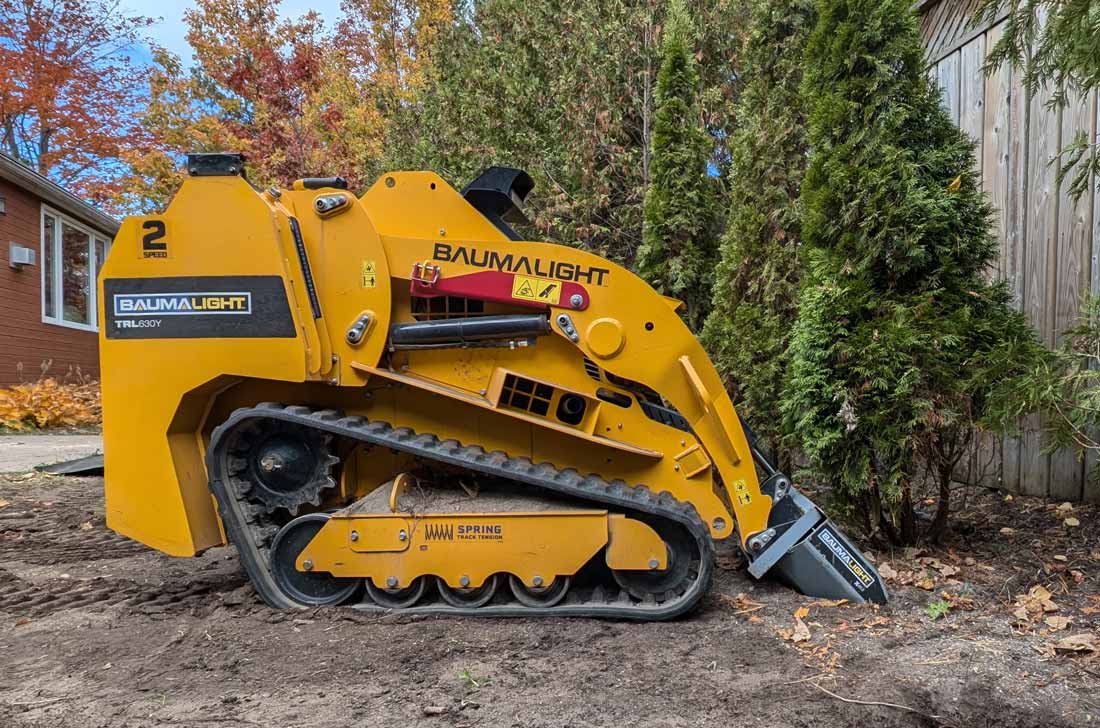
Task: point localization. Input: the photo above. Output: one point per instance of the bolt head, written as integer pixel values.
(676, 467)
(402, 536)
(391, 581)
(654, 563)
(464, 581)
(354, 535)
(576, 300)
(307, 565)
(537, 581)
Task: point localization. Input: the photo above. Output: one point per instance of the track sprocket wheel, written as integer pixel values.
(282, 464)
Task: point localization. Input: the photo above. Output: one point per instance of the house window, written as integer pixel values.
(72, 256)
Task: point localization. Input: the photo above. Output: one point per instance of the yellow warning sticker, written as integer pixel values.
(369, 274)
(741, 490)
(541, 290)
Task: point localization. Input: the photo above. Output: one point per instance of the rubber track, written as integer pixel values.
(242, 519)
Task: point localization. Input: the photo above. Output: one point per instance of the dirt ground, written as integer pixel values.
(998, 628)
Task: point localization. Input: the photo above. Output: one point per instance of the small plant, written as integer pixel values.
(471, 681)
(935, 610)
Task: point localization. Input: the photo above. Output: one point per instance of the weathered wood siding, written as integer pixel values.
(1050, 245)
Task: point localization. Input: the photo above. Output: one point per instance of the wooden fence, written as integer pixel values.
(1050, 245)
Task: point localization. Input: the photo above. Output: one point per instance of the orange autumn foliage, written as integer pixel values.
(48, 403)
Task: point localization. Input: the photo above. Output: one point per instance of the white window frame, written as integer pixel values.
(55, 255)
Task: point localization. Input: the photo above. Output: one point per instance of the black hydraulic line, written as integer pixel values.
(303, 261)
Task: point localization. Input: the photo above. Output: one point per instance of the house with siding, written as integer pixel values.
(1049, 242)
(52, 245)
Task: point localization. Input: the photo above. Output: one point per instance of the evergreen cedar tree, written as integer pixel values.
(756, 282)
(1054, 42)
(902, 345)
(678, 251)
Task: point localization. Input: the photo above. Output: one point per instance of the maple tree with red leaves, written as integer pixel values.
(69, 89)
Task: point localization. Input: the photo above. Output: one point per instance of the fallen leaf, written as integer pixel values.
(801, 631)
(1060, 557)
(1057, 623)
(3, 503)
(955, 184)
(801, 612)
(1077, 643)
(1006, 531)
(1065, 507)
(828, 603)
(86, 526)
(927, 583)
(21, 622)
(887, 572)
(741, 602)
(1009, 498)
(1072, 522)
(756, 620)
(1036, 602)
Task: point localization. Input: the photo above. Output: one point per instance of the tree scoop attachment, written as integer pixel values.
(806, 551)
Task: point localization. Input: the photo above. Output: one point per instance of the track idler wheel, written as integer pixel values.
(673, 579)
(397, 598)
(306, 587)
(539, 596)
(468, 598)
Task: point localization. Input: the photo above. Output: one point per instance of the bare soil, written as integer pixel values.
(96, 630)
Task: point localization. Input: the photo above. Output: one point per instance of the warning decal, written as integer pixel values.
(370, 274)
(742, 492)
(540, 290)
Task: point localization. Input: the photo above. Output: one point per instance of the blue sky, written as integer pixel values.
(170, 32)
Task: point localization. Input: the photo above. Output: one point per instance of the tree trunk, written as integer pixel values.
(939, 522)
(907, 521)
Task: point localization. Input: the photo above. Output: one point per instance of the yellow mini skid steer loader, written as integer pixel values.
(393, 402)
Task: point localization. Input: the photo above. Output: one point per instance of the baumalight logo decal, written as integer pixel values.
(182, 304)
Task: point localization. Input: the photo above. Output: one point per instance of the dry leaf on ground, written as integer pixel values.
(1072, 522)
(1085, 642)
(1057, 623)
(1033, 604)
(887, 572)
(800, 632)
(741, 602)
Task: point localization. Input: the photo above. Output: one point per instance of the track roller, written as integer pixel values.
(400, 598)
(544, 596)
(469, 598)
